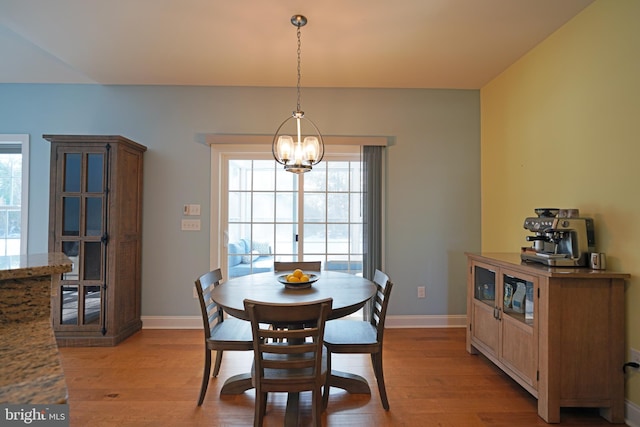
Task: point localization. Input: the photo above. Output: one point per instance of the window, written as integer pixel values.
(14, 196)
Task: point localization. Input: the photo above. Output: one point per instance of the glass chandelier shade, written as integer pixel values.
(297, 143)
(297, 152)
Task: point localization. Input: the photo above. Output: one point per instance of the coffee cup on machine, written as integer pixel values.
(597, 261)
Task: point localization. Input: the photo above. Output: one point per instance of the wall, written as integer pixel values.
(432, 190)
(560, 129)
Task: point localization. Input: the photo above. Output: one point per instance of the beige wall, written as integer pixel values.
(561, 128)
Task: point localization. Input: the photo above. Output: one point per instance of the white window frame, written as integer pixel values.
(220, 154)
(23, 140)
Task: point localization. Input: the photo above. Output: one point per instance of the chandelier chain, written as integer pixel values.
(299, 50)
(297, 143)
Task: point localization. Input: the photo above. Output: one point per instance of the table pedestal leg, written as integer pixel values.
(293, 406)
(237, 384)
(354, 384)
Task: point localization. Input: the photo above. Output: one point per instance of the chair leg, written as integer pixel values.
(205, 375)
(260, 409)
(264, 404)
(376, 359)
(317, 407)
(216, 368)
(327, 385)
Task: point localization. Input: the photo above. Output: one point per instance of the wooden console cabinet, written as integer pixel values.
(561, 337)
(95, 218)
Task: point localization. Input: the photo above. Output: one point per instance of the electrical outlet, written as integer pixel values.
(422, 292)
(190, 225)
(635, 356)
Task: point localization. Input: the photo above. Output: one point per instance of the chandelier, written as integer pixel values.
(296, 148)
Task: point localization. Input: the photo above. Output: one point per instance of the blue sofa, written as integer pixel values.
(243, 260)
(343, 265)
(247, 258)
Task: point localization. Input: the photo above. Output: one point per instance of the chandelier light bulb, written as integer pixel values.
(311, 148)
(285, 147)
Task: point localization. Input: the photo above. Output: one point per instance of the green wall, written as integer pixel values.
(560, 128)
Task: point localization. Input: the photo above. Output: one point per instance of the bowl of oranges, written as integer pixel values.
(297, 279)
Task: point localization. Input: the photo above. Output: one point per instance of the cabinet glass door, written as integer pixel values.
(82, 197)
(484, 312)
(518, 300)
(519, 342)
(485, 285)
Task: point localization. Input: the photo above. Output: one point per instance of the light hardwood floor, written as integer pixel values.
(153, 379)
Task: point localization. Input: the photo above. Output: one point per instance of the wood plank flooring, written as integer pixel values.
(153, 379)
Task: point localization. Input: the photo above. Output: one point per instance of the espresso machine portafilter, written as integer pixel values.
(542, 241)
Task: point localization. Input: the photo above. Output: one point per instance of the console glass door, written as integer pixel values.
(485, 285)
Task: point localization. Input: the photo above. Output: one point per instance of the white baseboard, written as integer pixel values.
(453, 321)
(171, 322)
(195, 322)
(632, 414)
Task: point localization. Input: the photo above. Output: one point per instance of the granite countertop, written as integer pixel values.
(30, 369)
(19, 266)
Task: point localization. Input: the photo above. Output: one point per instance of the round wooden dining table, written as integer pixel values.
(349, 293)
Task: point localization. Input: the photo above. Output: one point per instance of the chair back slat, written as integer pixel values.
(303, 265)
(291, 335)
(214, 318)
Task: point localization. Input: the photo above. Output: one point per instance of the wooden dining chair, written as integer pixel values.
(349, 336)
(220, 334)
(292, 265)
(289, 360)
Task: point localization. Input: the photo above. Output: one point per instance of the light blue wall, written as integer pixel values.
(432, 188)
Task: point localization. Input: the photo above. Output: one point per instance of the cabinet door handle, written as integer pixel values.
(496, 313)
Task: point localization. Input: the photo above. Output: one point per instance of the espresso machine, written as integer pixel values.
(561, 238)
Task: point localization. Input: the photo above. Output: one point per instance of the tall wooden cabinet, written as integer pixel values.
(558, 332)
(95, 218)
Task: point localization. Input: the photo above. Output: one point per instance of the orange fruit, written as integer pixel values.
(297, 273)
(293, 279)
(304, 278)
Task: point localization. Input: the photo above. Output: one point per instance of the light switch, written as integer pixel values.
(191, 210)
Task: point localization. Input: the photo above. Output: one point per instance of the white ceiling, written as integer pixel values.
(347, 43)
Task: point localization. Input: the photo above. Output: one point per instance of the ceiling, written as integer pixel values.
(459, 44)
